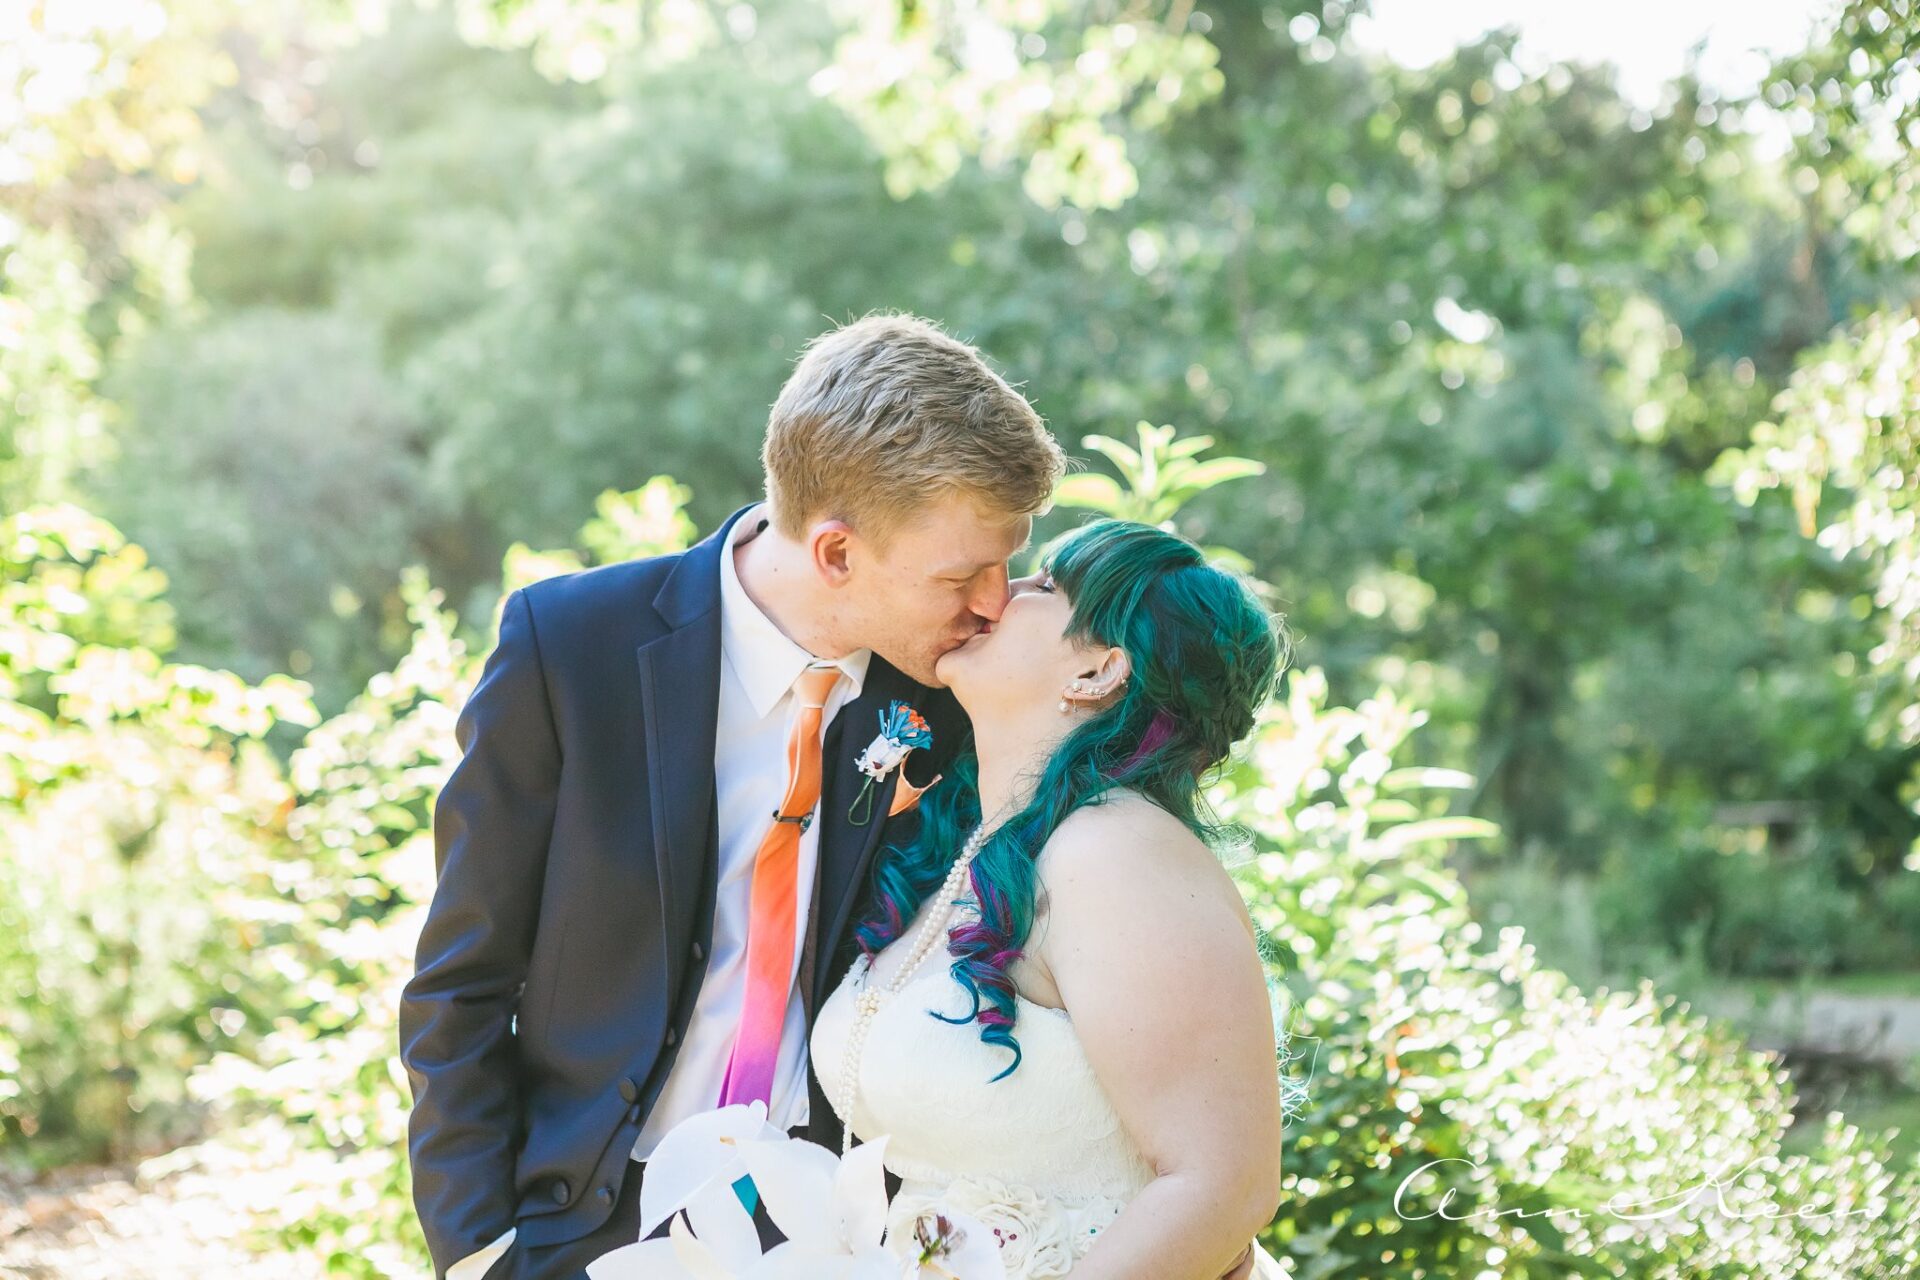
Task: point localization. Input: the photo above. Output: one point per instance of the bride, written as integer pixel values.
(1059, 1016)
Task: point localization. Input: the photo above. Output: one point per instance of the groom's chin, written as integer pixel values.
(921, 666)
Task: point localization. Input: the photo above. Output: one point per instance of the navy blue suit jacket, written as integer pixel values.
(576, 843)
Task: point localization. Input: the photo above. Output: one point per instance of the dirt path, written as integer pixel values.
(170, 1218)
(1882, 1027)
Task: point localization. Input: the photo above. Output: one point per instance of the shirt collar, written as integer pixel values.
(766, 660)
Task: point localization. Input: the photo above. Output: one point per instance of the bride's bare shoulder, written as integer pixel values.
(1121, 824)
(1125, 880)
(1128, 847)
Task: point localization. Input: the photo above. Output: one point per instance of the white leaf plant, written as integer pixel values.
(833, 1212)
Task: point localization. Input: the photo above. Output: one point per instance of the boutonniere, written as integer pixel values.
(902, 732)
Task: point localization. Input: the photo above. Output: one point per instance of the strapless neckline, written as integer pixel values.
(1037, 1153)
(862, 970)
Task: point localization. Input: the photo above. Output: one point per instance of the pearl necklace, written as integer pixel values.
(868, 1002)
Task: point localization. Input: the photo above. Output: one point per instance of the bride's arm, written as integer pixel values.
(1154, 956)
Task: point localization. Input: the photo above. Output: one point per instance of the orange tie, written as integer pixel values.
(771, 918)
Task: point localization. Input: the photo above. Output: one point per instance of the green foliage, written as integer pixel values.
(275, 478)
(51, 423)
(102, 118)
(1485, 328)
(1469, 1111)
(649, 521)
(1850, 421)
(1162, 475)
(1413, 1046)
(1855, 121)
(1053, 86)
(1498, 336)
(325, 1088)
(137, 812)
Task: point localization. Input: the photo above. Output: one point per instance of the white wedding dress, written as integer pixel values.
(1040, 1157)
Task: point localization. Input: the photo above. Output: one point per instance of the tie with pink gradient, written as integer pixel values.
(771, 918)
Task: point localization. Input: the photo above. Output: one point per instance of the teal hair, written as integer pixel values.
(1205, 655)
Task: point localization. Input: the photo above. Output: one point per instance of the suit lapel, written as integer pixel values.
(680, 707)
(679, 674)
(846, 849)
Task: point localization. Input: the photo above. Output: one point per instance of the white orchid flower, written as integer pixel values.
(958, 1246)
(833, 1212)
(700, 1153)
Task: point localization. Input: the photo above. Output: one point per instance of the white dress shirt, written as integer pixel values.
(759, 665)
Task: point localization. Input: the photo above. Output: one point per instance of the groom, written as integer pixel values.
(652, 850)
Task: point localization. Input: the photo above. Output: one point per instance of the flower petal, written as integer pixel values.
(860, 1195)
(647, 1260)
(976, 1254)
(694, 1256)
(796, 1180)
(724, 1226)
(793, 1261)
(697, 1151)
(973, 1252)
(790, 1261)
(874, 1264)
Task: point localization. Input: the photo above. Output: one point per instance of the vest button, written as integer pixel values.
(673, 1037)
(606, 1195)
(633, 1113)
(699, 952)
(561, 1191)
(629, 1091)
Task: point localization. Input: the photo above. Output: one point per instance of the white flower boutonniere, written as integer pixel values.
(902, 732)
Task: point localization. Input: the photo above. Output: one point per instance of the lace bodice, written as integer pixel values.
(1040, 1156)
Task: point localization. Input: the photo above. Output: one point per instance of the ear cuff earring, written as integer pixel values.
(1082, 687)
(1078, 686)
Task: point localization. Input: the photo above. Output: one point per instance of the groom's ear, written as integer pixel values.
(831, 545)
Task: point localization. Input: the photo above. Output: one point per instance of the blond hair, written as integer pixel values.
(888, 413)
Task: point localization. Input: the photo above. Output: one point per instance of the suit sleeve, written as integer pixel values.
(491, 827)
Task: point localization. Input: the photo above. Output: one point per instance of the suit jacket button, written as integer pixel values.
(629, 1091)
(699, 952)
(561, 1191)
(606, 1195)
(633, 1113)
(673, 1037)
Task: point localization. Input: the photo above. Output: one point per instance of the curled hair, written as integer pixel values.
(1205, 657)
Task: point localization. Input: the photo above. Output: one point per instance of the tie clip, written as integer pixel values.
(805, 820)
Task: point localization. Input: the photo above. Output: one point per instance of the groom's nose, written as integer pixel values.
(991, 596)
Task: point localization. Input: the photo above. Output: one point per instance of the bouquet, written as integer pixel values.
(711, 1169)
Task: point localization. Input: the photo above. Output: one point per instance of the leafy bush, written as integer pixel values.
(274, 474)
(1432, 1067)
(326, 1086)
(1609, 1135)
(138, 808)
(1778, 918)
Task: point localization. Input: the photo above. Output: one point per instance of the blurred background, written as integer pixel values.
(1555, 368)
